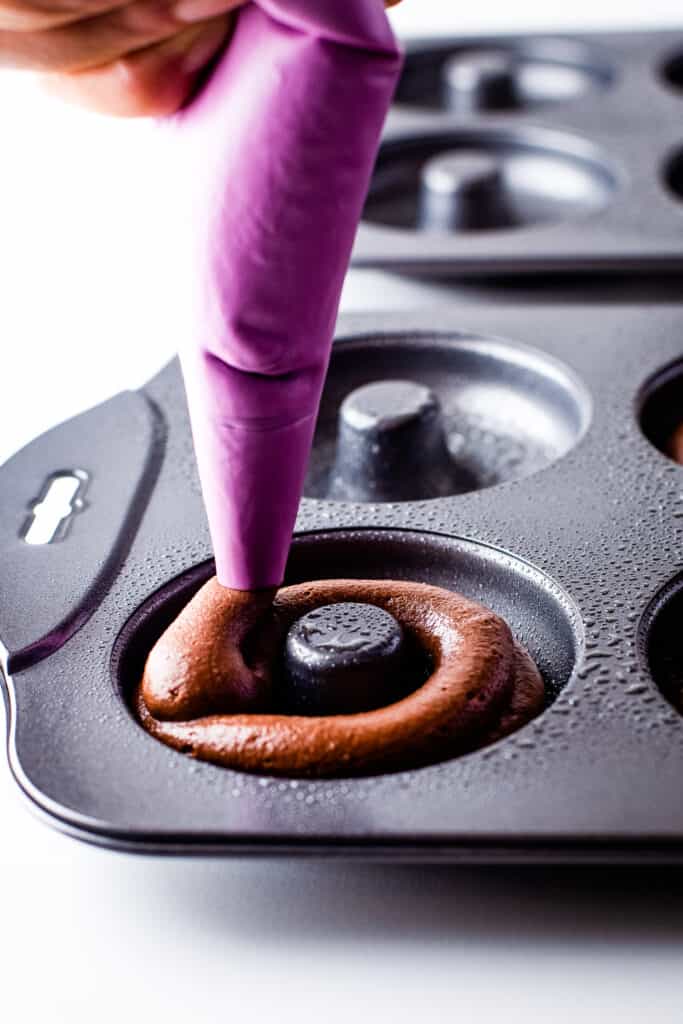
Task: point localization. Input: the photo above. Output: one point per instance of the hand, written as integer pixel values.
(133, 59)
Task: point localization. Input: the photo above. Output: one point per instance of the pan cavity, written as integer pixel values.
(478, 179)
(501, 76)
(673, 174)
(661, 411)
(672, 71)
(540, 614)
(659, 641)
(415, 417)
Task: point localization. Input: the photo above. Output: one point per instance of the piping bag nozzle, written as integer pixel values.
(277, 150)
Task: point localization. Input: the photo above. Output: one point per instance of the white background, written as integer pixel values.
(87, 307)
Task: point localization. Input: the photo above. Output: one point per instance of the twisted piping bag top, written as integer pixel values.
(277, 152)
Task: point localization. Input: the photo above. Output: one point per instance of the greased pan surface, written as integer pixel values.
(571, 530)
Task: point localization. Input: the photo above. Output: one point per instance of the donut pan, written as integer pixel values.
(570, 525)
(514, 155)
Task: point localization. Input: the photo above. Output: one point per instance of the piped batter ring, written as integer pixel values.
(482, 685)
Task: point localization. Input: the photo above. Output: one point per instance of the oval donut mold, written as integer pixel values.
(482, 686)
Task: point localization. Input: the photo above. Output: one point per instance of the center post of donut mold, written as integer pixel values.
(463, 190)
(343, 658)
(391, 445)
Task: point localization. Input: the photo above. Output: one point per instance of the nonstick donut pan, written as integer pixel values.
(513, 155)
(562, 514)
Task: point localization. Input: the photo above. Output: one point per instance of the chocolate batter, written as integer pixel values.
(208, 683)
(675, 445)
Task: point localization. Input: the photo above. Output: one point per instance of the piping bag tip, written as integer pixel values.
(277, 151)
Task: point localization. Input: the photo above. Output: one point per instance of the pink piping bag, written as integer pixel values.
(280, 146)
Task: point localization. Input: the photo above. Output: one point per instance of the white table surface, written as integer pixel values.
(85, 310)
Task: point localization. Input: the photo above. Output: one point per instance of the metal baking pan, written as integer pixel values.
(571, 527)
(520, 155)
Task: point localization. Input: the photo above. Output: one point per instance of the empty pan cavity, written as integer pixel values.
(414, 417)
(672, 71)
(673, 174)
(487, 179)
(661, 641)
(501, 75)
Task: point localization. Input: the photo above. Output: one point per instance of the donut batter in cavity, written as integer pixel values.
(675, 445)
(482, 685)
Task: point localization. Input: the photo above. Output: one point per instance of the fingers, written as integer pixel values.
(136, 59)
(150, 82)
(199, 10)
(33, 15)
(99, 40)
(38, 15)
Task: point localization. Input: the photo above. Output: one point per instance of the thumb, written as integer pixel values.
(150, 82)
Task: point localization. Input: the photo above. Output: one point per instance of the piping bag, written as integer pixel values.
(280, 145)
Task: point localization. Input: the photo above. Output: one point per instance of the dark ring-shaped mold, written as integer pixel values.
(660, 644)
(660, 409)
(486, 179)
(493, 76)
(414, 417)
(540, 615)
